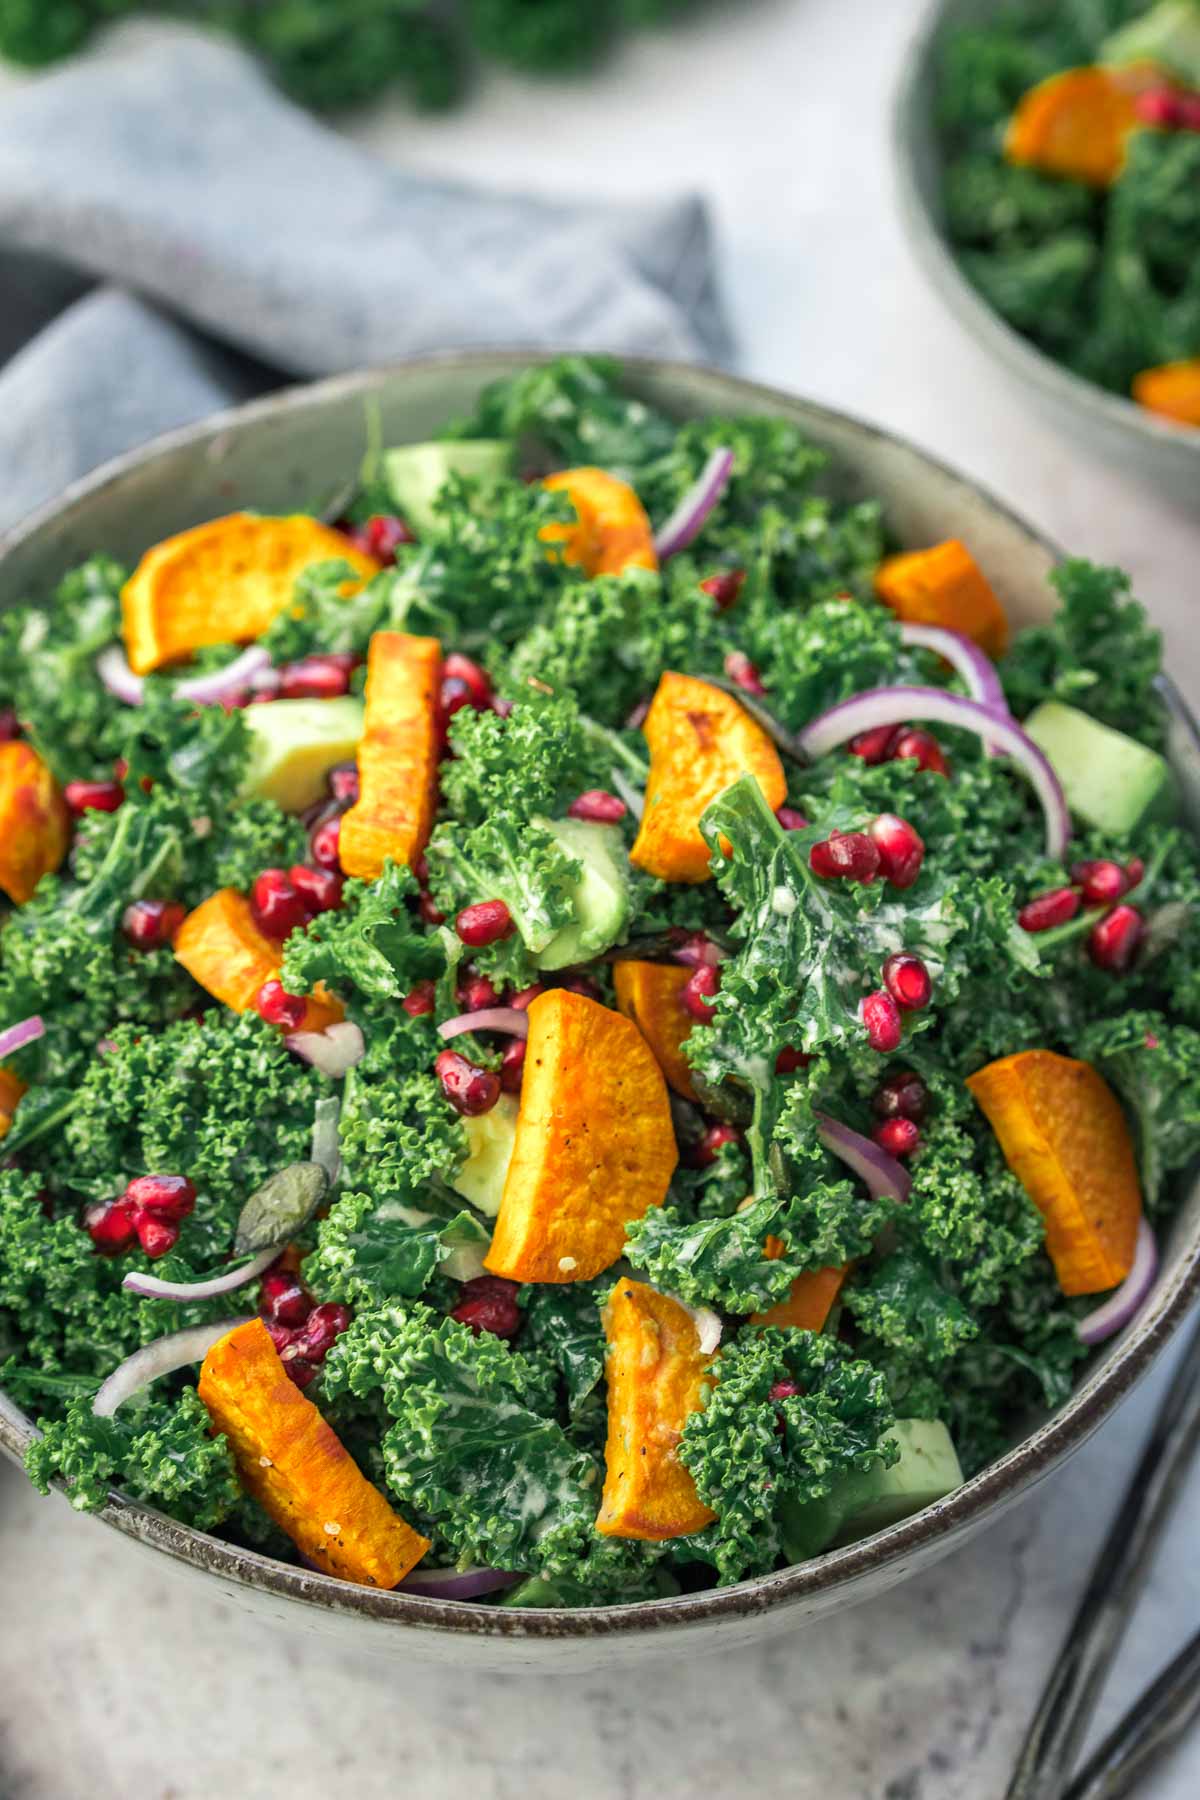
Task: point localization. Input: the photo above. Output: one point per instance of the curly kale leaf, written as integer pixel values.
(575, 411)
(48, 676)
(371, 942)
(162, 1452)
(562, 1324)
(506, 858)
(1047, 291)
(534, 761)
(372, 1251)
(323, 617)
(397, 1133)
(989, 202)
(809, 661)
(1155, 1067)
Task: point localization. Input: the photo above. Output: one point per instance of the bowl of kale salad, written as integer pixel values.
(1049, 162)
(608, 1041)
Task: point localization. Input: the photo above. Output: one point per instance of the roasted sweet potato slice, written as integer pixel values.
(594, 1146)
(649, 994)
(11, 1089)
(1172, 390)
(297, 1467)
(700, 741)
(222, 948)
(223, 583)
(398, 756)
(612, 533)
(1064, 1136)
(1077, 123)
(811, 1299)
(944, 586)
(35, 826)
(656, 1377)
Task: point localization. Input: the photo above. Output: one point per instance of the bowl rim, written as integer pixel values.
(1033, 1456)
(938, 262)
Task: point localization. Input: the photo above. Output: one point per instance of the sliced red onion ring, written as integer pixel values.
(154, 1287)
(333, 1050)
(900, 705)
(1120, 1307)
(206, 690)
(488, 1018)
(17, 1036)
(456, 1584)
(688, 518)
(975, 666)
(885, 1177)
(117, 676)
(161, 1357)
(707, 1322)
(634, 801)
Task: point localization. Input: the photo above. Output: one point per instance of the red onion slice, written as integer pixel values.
(332, 1051)
(975, 666)
(885, 1177)
(206, 690)
(117, 676)
(634, 801)
(1120, 1307)
(488, 1018)
(708, 1324)
(17, 1036)
(155, 1287)
(162, 1357)
(901, 705)
(456, 1584)
(688, 518)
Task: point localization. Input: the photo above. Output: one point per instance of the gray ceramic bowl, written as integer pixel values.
(1165, 455)
(297, 448)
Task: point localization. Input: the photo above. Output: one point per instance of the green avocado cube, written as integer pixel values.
(1169, 35)
(293, 746)
(415, 474)
(868, 1500)
(1110, 780)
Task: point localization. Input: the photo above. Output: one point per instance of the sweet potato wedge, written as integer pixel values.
(648, 993)
(35, 826)
(297, 1467)
(944, 586)
(398, 756)
(594, 1147)
(656, 1377)
(1064, 1136)
(612, 533)
(222, 948)
(811, 1299)
(700, 741)
(1077, 123)
(11, 1089)
(1172, 390)
(222, 583)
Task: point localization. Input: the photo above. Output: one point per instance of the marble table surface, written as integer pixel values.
(119, 1683)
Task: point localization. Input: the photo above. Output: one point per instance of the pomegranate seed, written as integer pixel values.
(110, 1225)
(790, 819)
(881, 1016)
(1187, 112)
(489, 1303)
(476, 992)
(901, 849)
(380, 536)
(427, 909)
(93, 796)
(502, 708)
(453, 696)
(921, 747)
(342, 783)
(899, 1137)
(845, 856)
(319, 889)
(274, 1004)
(742, 672)
(789, 1060)
(1134, 871)
(875, 746)
(458, 667)
(1103, 882)
(299, 1369)
(1055, 908)
(169, 1197)
(907, 980)
(901, 1096)
(699, 990)
(725, 588)
(713, 1142)
(314, 678)
(468, 1089)
(784, 1390)
(321, 1330)
(486, 922)
(1156, 106)
(526, 996)
(581, 984)
(156, 1236)
(9, 727)
(150, 923)
(512, 1066)
(694, 948)
(280, 1335)
(323, 842)
(278, 909)
(282, 1299)
(1113, 941)
(599, 806)
(421, 1000)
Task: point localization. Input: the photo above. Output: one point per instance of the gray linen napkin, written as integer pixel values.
(235, 243)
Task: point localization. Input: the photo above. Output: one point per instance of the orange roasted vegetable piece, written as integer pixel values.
(223, 583)
(812, 1296)
(11, 1089)
(1172, 390)
(612, 533)
(594, 1148)
(1064, 1136)
(35, 826)
(649, 994)
(297, 1467)
(222, 948)
(657, 1375)
(700, 741)
(1076, 124)
(398, 756)
(944, 586)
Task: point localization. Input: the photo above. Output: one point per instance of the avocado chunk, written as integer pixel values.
(415, 474)
(863, 1502)
(1169, 35)
(600, 897)
(293, 746)
(1110, 780)
(490, 1137)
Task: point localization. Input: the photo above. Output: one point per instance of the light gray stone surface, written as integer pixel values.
(118, 1683)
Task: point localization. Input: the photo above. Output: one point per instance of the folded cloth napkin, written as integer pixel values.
(176, 236)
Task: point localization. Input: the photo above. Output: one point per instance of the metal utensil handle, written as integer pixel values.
(1068, 1701)
(1154, 1724)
